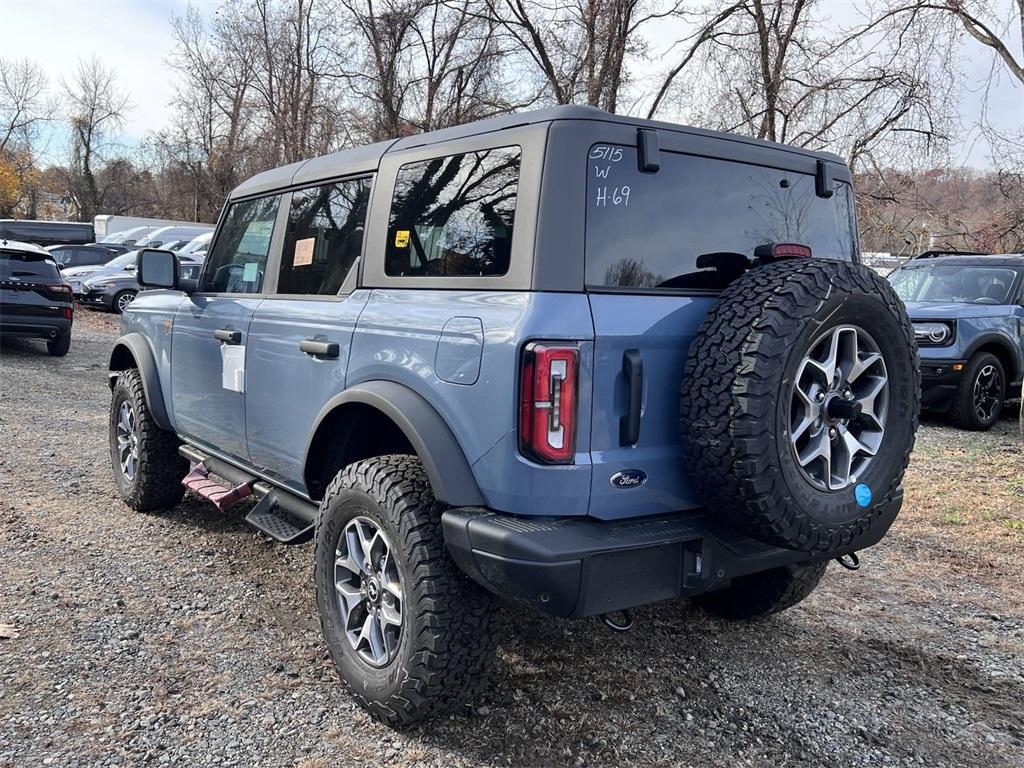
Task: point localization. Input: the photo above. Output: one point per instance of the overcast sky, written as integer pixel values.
(133, 37)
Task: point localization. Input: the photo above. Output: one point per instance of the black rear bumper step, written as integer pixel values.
(581, 566)
(283, 516)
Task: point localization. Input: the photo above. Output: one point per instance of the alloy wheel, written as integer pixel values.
(838, 407)
(124, 300)
(988, 389)
(369, 589)
(127, 441)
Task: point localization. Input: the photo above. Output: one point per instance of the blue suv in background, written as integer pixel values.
(581, 361)
(969, 324)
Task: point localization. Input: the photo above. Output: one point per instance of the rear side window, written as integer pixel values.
(324, 237)
(30, 267)
(239, 257)
(694, 224)
(453, 216)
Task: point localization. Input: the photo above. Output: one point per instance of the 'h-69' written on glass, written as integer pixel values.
(605, 196)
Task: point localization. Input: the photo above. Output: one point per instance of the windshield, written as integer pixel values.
(123, 260)
(954, 283)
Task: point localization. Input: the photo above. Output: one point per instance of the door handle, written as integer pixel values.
(316, 348)
(633, 370)
(228, 336)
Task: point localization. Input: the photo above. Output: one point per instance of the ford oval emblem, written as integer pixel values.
(629, 478)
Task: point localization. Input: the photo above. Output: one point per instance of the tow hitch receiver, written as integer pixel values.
(198, 481)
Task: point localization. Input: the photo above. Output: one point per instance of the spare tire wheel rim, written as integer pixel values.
(369, 589)
(838, 407)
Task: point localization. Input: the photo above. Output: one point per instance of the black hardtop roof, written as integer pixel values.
(973, 260)
(364, 159)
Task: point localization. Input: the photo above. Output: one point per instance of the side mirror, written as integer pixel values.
(157, 269)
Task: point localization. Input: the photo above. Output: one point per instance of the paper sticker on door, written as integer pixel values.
(233, 370)
(303, 252)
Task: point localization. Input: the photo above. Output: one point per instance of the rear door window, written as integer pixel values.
(453, 216)
(324, 237)
(694, 224)
(239, 257)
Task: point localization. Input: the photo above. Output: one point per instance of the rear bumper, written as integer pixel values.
(939, 382)
(579, 566)
(37, 327)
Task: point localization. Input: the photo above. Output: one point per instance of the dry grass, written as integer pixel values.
(965, 500)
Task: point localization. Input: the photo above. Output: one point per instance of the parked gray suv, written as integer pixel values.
(581, 361)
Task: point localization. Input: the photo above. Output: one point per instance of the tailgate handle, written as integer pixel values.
(228, 336)
(633, 370)
(316, 348)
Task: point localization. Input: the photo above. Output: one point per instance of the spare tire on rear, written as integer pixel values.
(800, 403)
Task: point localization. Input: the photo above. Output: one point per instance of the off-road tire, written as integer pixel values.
(962, 413)
(59, 346)
(759, 595)
(157, 481)
(447, 638)
(736, 392)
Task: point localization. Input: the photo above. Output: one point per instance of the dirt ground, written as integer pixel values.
(189, 639)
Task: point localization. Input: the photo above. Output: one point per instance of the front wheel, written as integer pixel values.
(981, 393)
(408, 632)
(147, 468)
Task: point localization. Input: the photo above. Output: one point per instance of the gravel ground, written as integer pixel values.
(188, 638)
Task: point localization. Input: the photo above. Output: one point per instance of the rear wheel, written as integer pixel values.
(409, 633)
(761, 594)
(981, 393)
(59, 346)
(147, 468)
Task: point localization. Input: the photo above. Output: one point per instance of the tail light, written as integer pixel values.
(65, 289)
(547, 412)
(782, 251)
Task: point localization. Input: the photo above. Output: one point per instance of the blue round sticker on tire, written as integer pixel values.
(863, 494)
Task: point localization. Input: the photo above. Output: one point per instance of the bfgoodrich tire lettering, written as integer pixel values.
(738, 386)
(154, 479)
(446, 643)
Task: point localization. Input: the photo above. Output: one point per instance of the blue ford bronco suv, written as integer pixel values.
(968, 316)
(580, 361)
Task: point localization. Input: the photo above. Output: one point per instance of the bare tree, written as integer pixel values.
(580, 49)
(96, 112)
(421, 65)
(24, 109)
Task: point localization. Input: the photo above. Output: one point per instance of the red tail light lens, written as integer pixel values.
(783, 251)
(547, 411)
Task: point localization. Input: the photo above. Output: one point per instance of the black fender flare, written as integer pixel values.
(451, 477)
(136, 345)
(1006, 342)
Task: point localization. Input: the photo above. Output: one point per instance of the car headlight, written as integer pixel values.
(934, 334)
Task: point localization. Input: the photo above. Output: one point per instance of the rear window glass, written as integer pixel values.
(14, 264)
(694, 223)
(453, 216)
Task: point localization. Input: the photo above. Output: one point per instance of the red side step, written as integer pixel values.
(198, 481)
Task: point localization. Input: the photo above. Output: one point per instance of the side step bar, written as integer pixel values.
(281, 515)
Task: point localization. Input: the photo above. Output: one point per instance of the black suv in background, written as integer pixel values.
(89, 255)
(34, 301)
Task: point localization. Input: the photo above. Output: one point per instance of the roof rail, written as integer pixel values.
(947, 252)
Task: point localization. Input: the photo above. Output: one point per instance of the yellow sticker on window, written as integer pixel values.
(402, 238)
